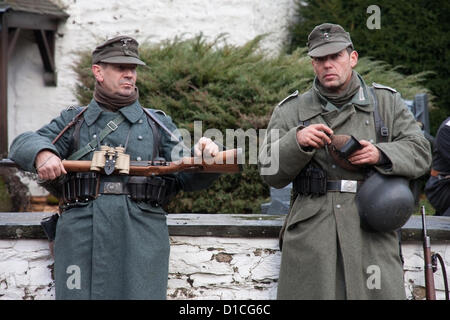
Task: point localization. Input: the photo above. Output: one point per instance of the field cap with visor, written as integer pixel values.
(326, 39)
(121, 49)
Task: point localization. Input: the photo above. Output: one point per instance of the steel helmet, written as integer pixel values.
(384, 202)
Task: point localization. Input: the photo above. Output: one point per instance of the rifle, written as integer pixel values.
(224, 162)
(431, 264)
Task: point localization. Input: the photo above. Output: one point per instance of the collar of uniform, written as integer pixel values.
(132, 112)
(324, 103)
(360, 99)
(92, 113)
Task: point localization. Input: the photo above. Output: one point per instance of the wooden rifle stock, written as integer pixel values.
(224, 162)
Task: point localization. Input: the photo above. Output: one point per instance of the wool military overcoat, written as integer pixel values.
(325, 252)
(111, 247)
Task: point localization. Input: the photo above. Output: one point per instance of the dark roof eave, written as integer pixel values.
(64, 16)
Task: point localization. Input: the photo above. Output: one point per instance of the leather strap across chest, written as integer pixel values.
(91, 145)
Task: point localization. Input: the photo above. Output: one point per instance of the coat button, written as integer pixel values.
(140, 121)
(138, 158)
(140, 138)
(338, 206)
(367, 122)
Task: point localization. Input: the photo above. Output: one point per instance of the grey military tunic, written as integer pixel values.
(111, 247)
(325, 253)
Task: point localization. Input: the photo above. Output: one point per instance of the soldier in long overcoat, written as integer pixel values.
(326, 254)
(112, 246)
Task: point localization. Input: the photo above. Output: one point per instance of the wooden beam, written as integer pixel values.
(46, 43)
(43, 41)
(4, 41)
(13, 41)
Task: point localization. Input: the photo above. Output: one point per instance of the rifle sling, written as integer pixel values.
(155, 119)
(380, 128)
(69, 125)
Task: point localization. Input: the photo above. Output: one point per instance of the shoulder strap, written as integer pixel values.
(294, 94)
(159, 123)
(76, 135)
(382, 131)
(156, 138)
(170, 133)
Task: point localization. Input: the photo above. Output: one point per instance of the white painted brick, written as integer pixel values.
(208, 279)
(13, 266)
(267, 269)
(40, 276)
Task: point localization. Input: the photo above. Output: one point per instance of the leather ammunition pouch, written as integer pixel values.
(82, 187)
(310, 181)
(157, 190)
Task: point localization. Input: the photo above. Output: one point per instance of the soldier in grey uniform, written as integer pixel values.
(326, 254)
(112, 240)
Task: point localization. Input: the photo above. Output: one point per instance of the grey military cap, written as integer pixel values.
(121, 49)
(326, 39)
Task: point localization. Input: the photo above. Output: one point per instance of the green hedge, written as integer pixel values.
(232, 87)
(414, 36)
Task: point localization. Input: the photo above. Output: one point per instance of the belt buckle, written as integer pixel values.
(349, 186)
(112, 188)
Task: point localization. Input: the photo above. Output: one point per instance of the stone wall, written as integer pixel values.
(240, 262)
(223, 268)
(200, 268)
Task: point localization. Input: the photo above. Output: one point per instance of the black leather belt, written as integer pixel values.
(84, 187)
(351, 186)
